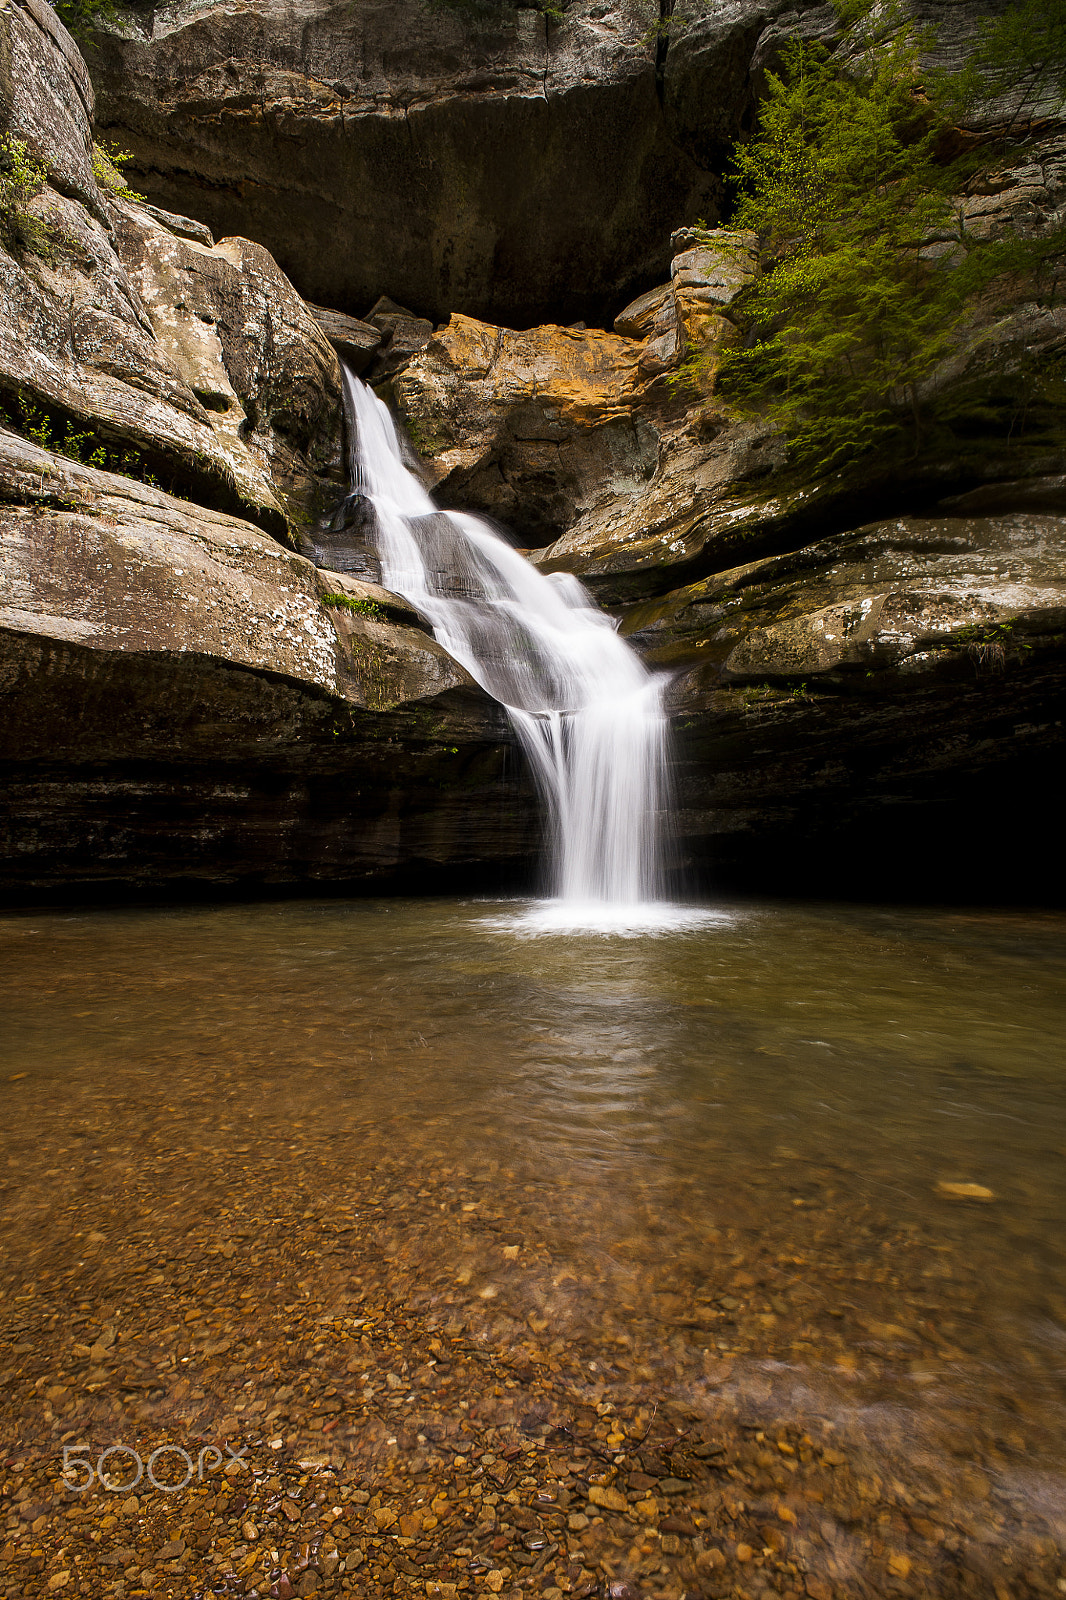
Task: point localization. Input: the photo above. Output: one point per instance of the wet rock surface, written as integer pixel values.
(423, 1354)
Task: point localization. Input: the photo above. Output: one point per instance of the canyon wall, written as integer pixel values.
(866, 676)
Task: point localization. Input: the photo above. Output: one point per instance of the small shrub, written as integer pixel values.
(63, 438)
(988, 646)
(345, 602)
(21, 180)
(107, 159)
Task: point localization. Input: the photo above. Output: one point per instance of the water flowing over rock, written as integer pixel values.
(588, 715)
(185, 699)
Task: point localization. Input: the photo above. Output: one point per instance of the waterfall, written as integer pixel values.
(587, 712)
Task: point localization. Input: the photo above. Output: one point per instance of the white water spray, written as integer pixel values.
(587, 712)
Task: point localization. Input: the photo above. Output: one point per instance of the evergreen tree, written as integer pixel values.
(869, 273)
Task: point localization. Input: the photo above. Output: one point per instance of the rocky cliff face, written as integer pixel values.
(498, 163)
(197, 364)
(182, 697)
(863, 671)
(186, 701)
(875, 709)
(849, 687)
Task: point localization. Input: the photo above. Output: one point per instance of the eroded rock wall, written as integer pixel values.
(182, 701)
(491, 160)
(880, 712)
(504, 165)
(863, 670)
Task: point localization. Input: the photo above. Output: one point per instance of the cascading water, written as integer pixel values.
(587, 712)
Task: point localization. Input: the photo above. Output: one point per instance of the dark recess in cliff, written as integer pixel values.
(515, 170)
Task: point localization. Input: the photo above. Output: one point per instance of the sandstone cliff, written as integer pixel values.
(503, 164)
(184, 698)
(863, 669)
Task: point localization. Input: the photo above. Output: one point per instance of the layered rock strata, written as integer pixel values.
(506, 164)
(184, 701)
(880, 712)
(510, 164)
(197, 363)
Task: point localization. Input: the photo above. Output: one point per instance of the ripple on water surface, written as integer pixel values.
(715, 1181)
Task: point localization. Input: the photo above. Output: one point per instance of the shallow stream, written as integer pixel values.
(646, 1196)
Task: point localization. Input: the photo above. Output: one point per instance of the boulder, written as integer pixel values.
(711, 268)
(401, 333)
(355, 342)
(184, 227)
(228, 322)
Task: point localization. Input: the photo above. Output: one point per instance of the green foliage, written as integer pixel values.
(80, 17)
(21, 180)
(63, 438)
(988, 646)
(870, 273)
(345, 602)
(107, 160)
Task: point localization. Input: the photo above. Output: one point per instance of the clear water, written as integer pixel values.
(761, 1108)
(587, 712)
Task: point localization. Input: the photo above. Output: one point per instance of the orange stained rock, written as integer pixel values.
(587, 374)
